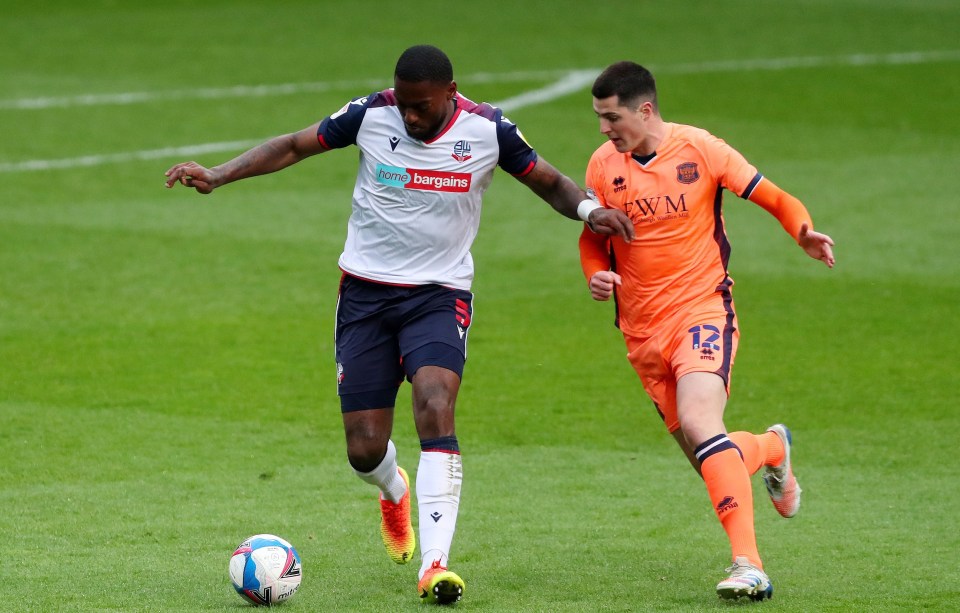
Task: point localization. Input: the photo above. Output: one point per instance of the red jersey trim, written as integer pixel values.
(378, 282)
(350, 274)
(456, 113)
(526, 170)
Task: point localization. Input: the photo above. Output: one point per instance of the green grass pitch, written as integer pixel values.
(167, 385)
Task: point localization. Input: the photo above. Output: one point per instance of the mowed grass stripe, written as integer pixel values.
(286, 89)
(569, 82)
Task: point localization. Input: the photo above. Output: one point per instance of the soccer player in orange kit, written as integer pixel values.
(673, 295)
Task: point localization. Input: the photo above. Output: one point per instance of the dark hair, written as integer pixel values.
(628, 81)
(424, 63)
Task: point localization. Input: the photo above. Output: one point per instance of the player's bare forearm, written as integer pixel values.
(565, 197)
(273, 155)
(555, 188)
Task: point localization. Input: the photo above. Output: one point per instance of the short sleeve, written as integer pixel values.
(732, 170)
(340, 129)
(516, 155)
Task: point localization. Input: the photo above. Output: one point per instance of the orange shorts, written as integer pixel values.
(702, 338)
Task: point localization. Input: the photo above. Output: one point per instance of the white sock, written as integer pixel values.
(439, 477)
(386, 477)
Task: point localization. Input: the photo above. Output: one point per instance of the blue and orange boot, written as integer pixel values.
(781, 484)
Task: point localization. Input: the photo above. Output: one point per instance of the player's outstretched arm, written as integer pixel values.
(560, 192)
(817, 245)
(795, 219)
(273, 155)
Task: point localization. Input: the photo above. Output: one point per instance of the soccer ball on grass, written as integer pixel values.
(265, 570)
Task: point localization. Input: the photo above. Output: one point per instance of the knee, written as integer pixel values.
(365, 448)
(698, 429)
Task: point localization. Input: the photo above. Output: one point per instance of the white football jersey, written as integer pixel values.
(416, 204)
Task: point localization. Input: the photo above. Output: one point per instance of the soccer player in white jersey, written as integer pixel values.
(427, 154)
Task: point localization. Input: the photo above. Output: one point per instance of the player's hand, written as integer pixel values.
(602, 284)
(191, 174)
(611, 221)
(817, 245)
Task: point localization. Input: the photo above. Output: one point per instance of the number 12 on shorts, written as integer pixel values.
(712, 334)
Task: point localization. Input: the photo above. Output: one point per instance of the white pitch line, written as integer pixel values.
(117, 158)
(573, 82)
(568, 81)
(246, 91)
(787, 63)
(124, 98)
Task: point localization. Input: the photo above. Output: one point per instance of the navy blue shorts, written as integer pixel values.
(387, 332)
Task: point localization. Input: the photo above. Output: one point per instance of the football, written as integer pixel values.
(265, 570)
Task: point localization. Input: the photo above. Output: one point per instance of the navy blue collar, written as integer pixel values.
(644, 159)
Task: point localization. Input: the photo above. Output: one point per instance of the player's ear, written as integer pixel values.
(451, 90)
(646, 109)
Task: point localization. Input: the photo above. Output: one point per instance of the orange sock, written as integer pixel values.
(758, 449)
(728, 484)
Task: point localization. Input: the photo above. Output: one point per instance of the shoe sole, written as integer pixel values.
(447, 589)
(785, 435)
(734, 593)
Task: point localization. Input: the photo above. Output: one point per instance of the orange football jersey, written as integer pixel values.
(674, 198)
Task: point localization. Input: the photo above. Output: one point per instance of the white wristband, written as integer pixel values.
(585, 208)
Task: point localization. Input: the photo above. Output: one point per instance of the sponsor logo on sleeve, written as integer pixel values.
(343, 109)
(426, 180)
(519, 133)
